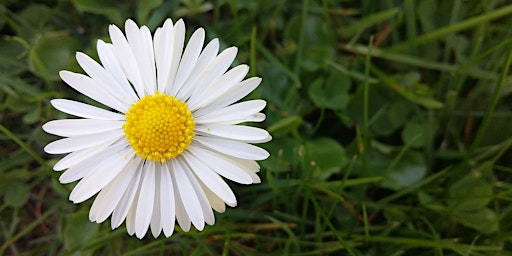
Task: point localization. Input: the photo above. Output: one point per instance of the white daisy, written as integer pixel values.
(174, 129)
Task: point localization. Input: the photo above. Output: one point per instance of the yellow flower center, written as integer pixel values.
(159, 127)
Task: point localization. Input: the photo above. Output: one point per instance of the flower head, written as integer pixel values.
(172, 132)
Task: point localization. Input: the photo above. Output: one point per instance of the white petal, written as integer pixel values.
(148, 45)
(131, 217)
(124, 205)
(233, 112)
(71, 144)
(111, 194)
(178, 36)
(211, 72)
(126, 59)
(233, 148)
(141, 43)
(167, 203)
(251, 164)
(248, 165)
(101, 176)
(220, 165)
(188, 61)
(156, 218)
(90, 88)
(258, 117)
(87, 165)
(181, 214)
(84, 110)
(187, 194)
(79, 156)
(233, 95)
(218, 87)
(163, 44)
(144, 206)
(104, 79)
(251, 167)
(203, 201)
(255, 178)
(75, 127)
(113, 68)
(210, 178)
(215, 201)
(235, 132)
(82, 169)
(207, 56)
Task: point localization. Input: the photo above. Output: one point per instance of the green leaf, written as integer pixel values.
(109, 9)
(318, 40)
(36, 15)
(395, 214)
(52, 53)
(285, 125)
(415, 134)
(470, 193)
(78, 230)
(410, 168)
(483, 220)
(430, 202)
(392, 118)
(368, 21)
(144, 8)
(331, 94)
(16, 194)
(404, 91)
(33, 116)
(10, 52)
(283, 154)
(325, 157)
(399, 168)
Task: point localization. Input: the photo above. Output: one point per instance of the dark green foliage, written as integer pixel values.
(391, 125)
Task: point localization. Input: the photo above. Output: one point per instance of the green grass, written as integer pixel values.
(391, 120)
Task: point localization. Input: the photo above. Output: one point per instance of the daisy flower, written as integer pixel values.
(171, 130)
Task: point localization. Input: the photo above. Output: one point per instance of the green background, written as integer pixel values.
(391, 124)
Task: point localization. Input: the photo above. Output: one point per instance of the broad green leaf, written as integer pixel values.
(415, 134)
(393, 117)
(499, 129)
(405, 91)
(78, 230)
(110, 9)
(278, 82)
(285, 125)
(52, 53)
(29, 22)
(484, 220)
(399, 111)
(144, 8)
(470, 193)
(430, 202)
(395, 214)
(35, 16)
(318, 41)
(192, 7)
(10, 56)
(33, 116)
(16, 194)
(399, 169)
(410, 168)
(368, 21)
(324, 157)
(331, 94)
(284, 153)
(380, 98)
(432, 16)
